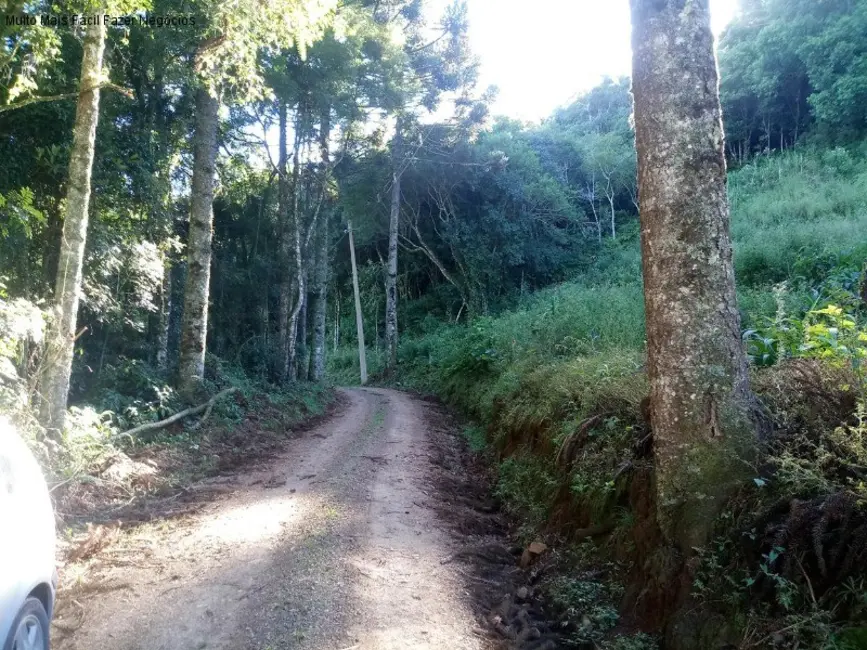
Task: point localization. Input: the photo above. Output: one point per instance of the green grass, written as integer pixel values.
(530, 375)
(475, 437)
(795, 205)
(343, 365)
(533, 377)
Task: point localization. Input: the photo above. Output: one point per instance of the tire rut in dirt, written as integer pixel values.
(255, 569)
(503, 593)
(305, 602)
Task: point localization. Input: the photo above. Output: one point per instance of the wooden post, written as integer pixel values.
(359, 319)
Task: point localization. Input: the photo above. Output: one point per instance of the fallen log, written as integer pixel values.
(153, 426)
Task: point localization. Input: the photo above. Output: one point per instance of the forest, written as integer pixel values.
(274, 198)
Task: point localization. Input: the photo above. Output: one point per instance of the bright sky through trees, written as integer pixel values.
(541, 54)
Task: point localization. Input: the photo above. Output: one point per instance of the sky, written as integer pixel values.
(543, 53)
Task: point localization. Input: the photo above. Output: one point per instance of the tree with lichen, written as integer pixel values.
(227, 58)
(60, 348)
(700, 396)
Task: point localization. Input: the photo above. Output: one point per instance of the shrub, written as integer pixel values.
(343, 367)
(557, 384)
(21, 334)
(590, 604)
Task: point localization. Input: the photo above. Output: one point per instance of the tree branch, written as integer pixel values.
(151, 426)
(55, 98)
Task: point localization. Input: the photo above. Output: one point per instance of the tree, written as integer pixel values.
(793, 66)
(29, 46)
(345, 74)
(609, 160)
(836, 61)
(283, 210)
(227, 58)
(61, 342)
(359, 318)
(700, 397)
(319, 285)
(493, 188)
(194, 324)
(606, 108)
(391, 269)
(433, 66)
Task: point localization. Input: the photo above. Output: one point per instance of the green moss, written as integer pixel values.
(527, 485)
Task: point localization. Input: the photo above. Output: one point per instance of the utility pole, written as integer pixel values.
(359, 319)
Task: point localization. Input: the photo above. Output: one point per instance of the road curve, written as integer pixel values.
(333, 546)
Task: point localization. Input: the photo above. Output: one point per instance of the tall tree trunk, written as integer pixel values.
(591, 194)
(300, 281)
(700, 398)
(320, 301)
(61, 343)
(50, 247)
(178, 276)
(320, 270)
(284, 255)
(158, 120)
(359, 318)
(165, 310)
(303, 361)
(194, 322)
(391, 270)
(336, 323)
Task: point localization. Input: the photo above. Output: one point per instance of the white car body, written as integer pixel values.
(27, 563)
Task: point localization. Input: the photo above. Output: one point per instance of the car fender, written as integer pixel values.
(27, 554)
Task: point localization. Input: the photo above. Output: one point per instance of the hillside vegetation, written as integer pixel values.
(555, 389)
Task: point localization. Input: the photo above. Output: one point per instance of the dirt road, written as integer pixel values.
(333, 546)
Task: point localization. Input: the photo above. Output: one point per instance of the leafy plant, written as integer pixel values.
(589, 604)
(638, 641)
(833, 335)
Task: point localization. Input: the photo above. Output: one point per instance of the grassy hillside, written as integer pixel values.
(799, 224)
(556, 386)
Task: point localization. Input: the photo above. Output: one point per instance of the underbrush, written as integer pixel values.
(571, 438)
(101, 468)
(805, 203)
(787, 566)
(557, 386)
(101, 461)
(343, 368)
(250, 423)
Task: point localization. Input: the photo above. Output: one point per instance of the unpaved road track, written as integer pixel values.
(333, 546)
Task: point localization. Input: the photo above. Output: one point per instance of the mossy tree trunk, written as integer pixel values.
(57, 368)
(194, 322)
(359, 317)
(285, 276)
(162, 354)
(300, 277)
(302, 360)
(319, 288)
(391, 268)
(319, 301)
(700, 397)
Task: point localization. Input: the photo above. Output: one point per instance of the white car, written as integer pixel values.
(28, 579)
